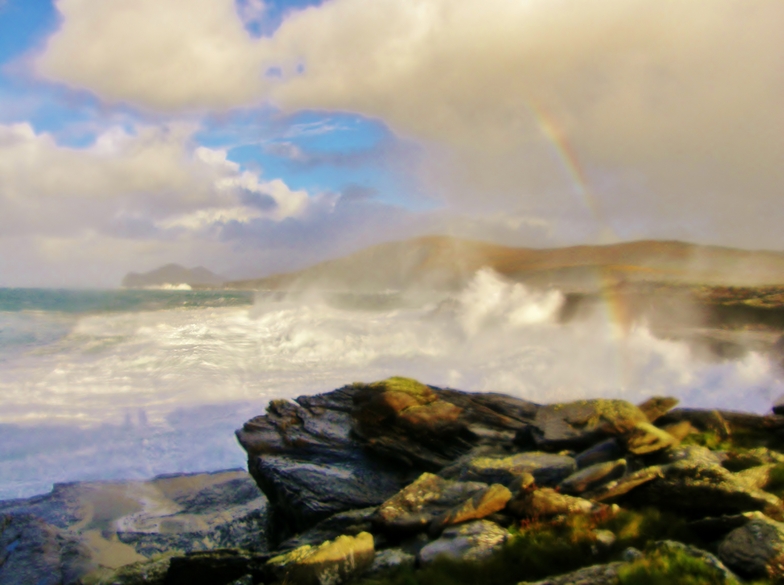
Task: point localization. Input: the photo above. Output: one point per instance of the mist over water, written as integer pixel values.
(160, 384)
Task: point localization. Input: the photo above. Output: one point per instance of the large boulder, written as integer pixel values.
(32, 551)
(469, 542)
(756, 549)
(576, 425)
(330, 563)
(304, 457)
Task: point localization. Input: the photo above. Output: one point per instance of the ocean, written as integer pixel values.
(128, 384)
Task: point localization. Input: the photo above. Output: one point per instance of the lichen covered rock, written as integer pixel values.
(470, 541)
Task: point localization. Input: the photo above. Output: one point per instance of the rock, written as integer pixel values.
(218, 567)
(545, 503)
(330, 563)
(404, 420)
(122, 522)
(581, 423)
(594, 575)
(349, 523)
(488, 501)
(428, 498)
(757, 477)
(546, 468)
(697, 489)
(696, 455)
(703, 420)
(603, 540)
(151, 572)
(391, 558)
(751, 458)
(601, 452)
(469, 542)
(657, 406)
(620, 487)
(645, 438)
(32, 551)
(679, 430)
(756, 549)
(593, 476)
(305, 459)
(426, 427)
(714, 527)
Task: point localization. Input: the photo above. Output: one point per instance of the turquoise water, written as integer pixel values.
(101, 301)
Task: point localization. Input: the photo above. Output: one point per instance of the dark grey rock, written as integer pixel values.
(470, 541)
(305, 459)
(34, 552)
(350, 523)
(601, 452)
(756, 549)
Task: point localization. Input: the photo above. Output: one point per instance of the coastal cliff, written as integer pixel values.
(399, 482)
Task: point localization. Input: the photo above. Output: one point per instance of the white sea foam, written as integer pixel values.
(139, 393)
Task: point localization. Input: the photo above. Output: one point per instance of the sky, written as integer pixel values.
(260, 136)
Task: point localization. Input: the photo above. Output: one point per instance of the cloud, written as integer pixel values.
(666, 115)
(129, 183)
(163, 54)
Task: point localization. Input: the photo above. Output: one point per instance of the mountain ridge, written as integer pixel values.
(448, 262)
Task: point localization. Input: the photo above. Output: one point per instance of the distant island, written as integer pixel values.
(172, 276)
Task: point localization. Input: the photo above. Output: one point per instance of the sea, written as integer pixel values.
(129, 384)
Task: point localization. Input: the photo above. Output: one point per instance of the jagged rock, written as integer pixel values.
(426, 427)
(601, 452)
(593, 476)
(488, 501)
(470, 541)
(645, 438)
(391, 558)
(330, 563)
(620, 487)
(657, 406)
(304, 458)
(546, 468)
(218, 567)
(428, 498)
(583, 422)
(349, 523)
(32, 551)
(756, 549)
(545, 503)
(594, 575)
(697, 489)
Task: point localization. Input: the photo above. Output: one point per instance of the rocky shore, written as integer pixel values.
(397, 482)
